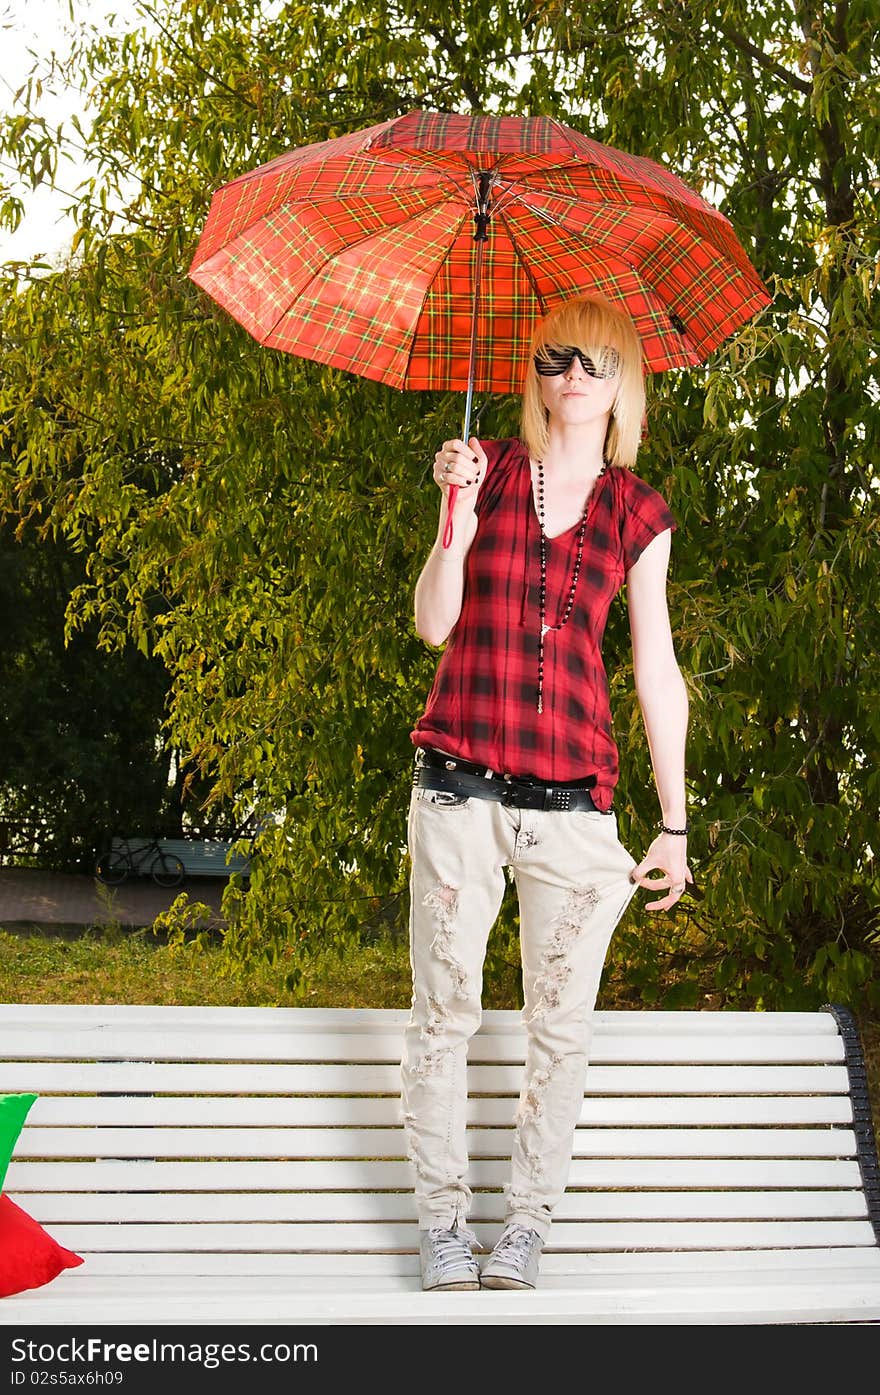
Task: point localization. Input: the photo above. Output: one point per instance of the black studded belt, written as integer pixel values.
(434, 770)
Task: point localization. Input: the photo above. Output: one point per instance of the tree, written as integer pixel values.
(258, 521)
(774, 473)
(80, 731)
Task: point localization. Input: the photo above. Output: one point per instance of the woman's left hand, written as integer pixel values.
(668, 854)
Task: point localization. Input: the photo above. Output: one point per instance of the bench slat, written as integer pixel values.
(369, 1264)
(52, 1208)
(332, 1111)
(394, 1173)
(184, 1044)
(777, 1298)
(374, 1143)
(809, 1305)
(581, 1235)
(267, 1020)
(126, 1077)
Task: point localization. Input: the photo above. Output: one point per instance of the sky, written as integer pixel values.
(41, 27)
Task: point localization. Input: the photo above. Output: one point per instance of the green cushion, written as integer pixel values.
(13, 1112)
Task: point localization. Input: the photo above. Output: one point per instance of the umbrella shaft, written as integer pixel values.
(472, 354)
(480, 237)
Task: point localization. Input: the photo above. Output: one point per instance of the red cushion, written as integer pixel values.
(29, 1257)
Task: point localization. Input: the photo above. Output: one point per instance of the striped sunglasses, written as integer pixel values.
(551, 361)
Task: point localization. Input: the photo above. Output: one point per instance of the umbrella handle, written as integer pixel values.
(450, 505)
(454, 488)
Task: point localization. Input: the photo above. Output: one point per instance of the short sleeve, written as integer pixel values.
(645, 513)
(504, 457)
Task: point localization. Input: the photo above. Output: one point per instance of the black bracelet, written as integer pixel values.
(679, 831)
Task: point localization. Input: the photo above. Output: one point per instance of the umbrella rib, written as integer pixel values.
(650, 165)
(310, 202)
(510, 189)
(559, 221)
(647, 289)
(442, 174)
(626, 184)
(436, 197)
(565, 132)
(526, 269)
(442, 178)
(429, 287)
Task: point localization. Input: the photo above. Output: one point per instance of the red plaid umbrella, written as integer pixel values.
(366, 252)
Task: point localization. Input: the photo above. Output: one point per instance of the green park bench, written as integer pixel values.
(206, 857)
(201, 857)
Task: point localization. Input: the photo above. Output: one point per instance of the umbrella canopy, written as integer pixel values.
(365, 252)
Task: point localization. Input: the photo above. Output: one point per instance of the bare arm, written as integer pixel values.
(440, 587)
(664, 703)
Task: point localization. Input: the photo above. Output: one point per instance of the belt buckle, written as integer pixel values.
(517, 796)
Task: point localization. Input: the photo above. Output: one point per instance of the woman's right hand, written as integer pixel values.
(461, 465)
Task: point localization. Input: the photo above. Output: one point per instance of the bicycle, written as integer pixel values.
(122, 861)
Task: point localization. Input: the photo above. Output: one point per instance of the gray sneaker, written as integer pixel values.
(447, 1258)
(514, 1261)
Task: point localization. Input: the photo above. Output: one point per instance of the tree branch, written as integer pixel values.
(189, 56)
(455, 53)
(765, 61)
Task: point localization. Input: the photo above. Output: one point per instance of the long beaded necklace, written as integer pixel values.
(569, 605)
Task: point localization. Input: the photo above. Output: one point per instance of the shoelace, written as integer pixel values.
(515, 1245)
(449, 1244)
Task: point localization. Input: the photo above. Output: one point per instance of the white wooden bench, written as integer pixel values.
(247, 1165)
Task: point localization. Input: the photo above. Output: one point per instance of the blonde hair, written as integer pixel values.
(587, 323)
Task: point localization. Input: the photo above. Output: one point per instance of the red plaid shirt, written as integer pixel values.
(483, 702)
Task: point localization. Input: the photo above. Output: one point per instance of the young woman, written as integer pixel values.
(516, 766)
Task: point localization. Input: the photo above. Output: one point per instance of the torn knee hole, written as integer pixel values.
(580, 904)
(412, 1152)
(549, 987)
(443, 901)
(555, 969)
(531, 1107)
(438, 1016)
(432, 1062)
(531, 1100)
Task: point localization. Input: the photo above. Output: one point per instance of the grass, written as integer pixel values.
(105, 964)
(66, 964)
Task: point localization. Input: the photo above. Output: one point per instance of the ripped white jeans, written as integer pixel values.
(572, 881)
